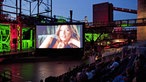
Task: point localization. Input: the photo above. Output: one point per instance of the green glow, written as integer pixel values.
(61, 20)
(95, 36)
(90, 36)
(108, 43)
(18, 41)
(42, 21)
(4, 38)
(27, 44)
(27, 38)
(125, 25)
(27, 71)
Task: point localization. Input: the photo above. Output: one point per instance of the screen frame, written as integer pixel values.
(56, 24)
(79, 51)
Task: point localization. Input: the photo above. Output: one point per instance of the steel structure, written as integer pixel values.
(98, 27)
(104, 12)
(119, 23)
(125, 10)
(33, 10)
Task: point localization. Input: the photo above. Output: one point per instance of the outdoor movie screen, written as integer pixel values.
(59, 36)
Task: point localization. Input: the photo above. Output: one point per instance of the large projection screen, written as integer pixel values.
(59, 36)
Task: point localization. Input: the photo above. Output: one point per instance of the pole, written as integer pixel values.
(20, 6)
(71, 12)
(51, 8)
(30, 8)
(16, 8)
(38, 7)
(20, 23)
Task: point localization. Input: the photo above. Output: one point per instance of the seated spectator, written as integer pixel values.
(51, 79)
(119, 78)
(127, 77)
(73, 78)
(129, 74)
(89, 73)
(81, 76)
(115, 64)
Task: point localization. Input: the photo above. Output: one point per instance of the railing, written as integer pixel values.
(119, 23)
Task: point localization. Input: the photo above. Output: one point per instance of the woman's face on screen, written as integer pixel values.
(65, 33)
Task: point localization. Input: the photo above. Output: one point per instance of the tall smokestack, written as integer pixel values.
(71, 13)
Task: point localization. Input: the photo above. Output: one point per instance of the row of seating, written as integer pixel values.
(99, 70)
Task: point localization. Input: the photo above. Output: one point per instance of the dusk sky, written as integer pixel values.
(81, 8)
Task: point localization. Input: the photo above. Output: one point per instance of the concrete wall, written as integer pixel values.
(103, 12)
(141, 30)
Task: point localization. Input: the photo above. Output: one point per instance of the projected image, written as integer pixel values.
(59, 36)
